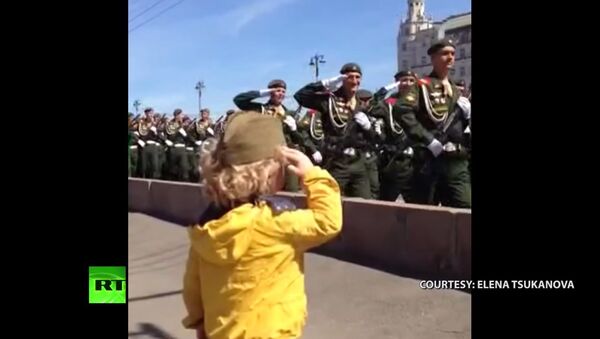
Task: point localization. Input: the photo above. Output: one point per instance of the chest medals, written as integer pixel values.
(340, 110)
(437, 99)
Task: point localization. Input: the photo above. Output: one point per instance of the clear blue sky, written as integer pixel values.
(240, 45)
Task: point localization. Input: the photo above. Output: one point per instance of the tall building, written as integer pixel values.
(417, 32)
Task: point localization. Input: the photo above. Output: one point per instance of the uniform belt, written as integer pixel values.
(179, 145)
(152, 142)
(189, 148)
(133, 146)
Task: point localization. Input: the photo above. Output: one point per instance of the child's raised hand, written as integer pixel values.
(297, 161)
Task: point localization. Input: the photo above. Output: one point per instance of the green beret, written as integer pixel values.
(350, 67)
(249, 137)
(402, 74)
(277, 83)
(439, 45)
(177, 112)
(364, 94)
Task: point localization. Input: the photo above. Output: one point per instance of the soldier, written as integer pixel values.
(348, 131)
(150, 143)
(276, 90)
(371, 159)
(432, 116)
(311, 128)
(396, 168)
(133, 147)
(130, 140)
(176, 138)
(200, 130)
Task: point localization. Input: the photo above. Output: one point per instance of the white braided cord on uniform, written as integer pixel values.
(430, 110)
(393, 122)
(331, 108)
(312, 129)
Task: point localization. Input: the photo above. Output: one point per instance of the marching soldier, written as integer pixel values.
(199, 131)
(176, 137)
(348, 131)
(432, 116)
(133, 147)
(371, 159)
(276, 90)
(396, 168)
(311, 128)
(150, 143)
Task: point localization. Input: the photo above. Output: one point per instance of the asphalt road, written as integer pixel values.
(345, 300)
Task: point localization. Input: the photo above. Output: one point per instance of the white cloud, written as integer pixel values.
(236, 19)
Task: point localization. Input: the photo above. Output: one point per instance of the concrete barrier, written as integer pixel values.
(416, 240)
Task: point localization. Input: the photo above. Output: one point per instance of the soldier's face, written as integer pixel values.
(405, 83)
(443, 59)
(204, 115)
(278, 95)
(150, 115)
(352, 81)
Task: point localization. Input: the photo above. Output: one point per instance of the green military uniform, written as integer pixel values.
(396, 155)
(132, 154)
(179, 166)
(311, 128)
(150, 156)
(346, 142)
(199, 131)
(441, 166)
(163, 150)
(371, 158)
(294, 139)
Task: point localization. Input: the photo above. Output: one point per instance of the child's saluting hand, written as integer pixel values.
(297, 161)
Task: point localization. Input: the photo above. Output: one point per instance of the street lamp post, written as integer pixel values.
(315, 61)
(137, 103)
(199, 87)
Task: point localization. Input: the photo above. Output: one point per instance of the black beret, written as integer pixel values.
(277, 83)
(405, 74)
(149, 109)
(350, 67)
(439, 45)
(177, 112)
(364, 94)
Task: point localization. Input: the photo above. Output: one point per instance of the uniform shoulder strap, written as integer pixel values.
(278, 205)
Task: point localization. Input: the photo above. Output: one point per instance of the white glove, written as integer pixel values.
(289, 120)
(199, 143)
(465, 106)
(435, 147)
(333, 84)
(362, 119)
(392, 86)
(141, 143)
(182, 132)
(468, 130)
(169, 142)
(317, 157)
(265, 92)
(210, 131)
(136, 133)
(377, 125)
(153, 129)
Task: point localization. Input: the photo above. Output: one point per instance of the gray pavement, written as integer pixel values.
(345, 300)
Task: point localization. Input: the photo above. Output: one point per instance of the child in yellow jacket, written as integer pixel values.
(244, 276)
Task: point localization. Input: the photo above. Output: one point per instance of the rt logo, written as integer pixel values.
(107, 285)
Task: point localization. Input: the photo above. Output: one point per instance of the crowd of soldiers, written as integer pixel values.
(408, 142)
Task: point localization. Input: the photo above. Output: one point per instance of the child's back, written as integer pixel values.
(244, 276)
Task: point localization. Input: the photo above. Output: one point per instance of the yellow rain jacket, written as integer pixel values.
(245, 273)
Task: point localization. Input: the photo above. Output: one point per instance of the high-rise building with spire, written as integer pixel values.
(418, 31)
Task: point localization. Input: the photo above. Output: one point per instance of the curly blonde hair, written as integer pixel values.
(231, 185)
